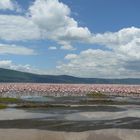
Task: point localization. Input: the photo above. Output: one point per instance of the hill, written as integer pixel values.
(7, 75)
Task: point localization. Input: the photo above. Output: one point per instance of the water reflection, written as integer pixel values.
(75, 118)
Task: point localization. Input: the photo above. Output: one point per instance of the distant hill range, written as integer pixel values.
(7, 75)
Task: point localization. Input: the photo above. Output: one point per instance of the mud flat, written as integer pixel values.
(33, 134)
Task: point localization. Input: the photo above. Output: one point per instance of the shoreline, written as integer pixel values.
(34, 134)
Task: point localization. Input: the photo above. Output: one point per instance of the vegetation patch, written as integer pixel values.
(34, 105)
(2, 106)
(96, 95)
(105, 102)
(8, 100)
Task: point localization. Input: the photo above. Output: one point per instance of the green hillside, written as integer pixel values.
(7, 75)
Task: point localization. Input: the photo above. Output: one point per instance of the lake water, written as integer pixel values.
(73, 118)
(76, 119)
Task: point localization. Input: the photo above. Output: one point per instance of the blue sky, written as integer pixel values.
(92, 38)
(106, 15)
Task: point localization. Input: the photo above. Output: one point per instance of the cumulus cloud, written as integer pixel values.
(51, 19)
(125, 41)
(16, 50)
(17, 28)
(55, 21)
(9, 5)
(123, 57)
(120, 37)
(125, 45)
(99, 63)
(46, 19)
(8, 64)
(90, 62)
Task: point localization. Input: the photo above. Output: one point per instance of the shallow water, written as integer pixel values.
(78, 99)
(13, 114)
(73, 119)
(76, 118)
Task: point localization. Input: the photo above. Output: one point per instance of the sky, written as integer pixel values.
(83, 38)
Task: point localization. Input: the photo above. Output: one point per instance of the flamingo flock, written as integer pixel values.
(36, 89)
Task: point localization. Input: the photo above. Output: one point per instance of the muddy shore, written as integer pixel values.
(33, 134)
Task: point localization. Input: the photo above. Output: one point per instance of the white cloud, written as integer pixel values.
(125, 42)
(67, 47)
(121, 37)
(8, 64)
(55, 21)
(17, 28)
(70, 56)
(51, 19)
(131, 50)
(9, 5)
(99, 63)
(14, 49)
(5, 63)
(90, 63)
(52, 48)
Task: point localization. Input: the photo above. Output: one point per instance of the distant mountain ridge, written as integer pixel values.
(7, 75)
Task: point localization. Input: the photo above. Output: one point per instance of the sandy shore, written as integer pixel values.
(32, 134)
